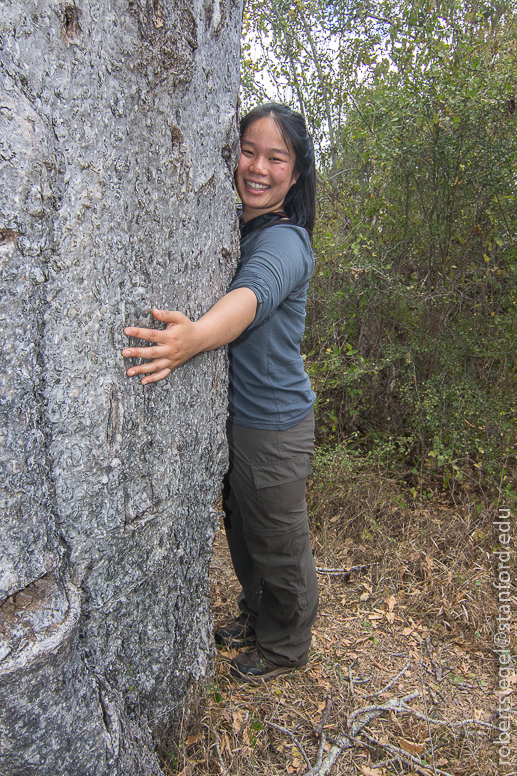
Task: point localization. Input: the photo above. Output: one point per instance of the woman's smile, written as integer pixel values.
(256, 186)
(265, 172)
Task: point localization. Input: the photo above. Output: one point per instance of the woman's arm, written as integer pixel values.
(184, 338)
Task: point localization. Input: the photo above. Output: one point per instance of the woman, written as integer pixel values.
(271, 421)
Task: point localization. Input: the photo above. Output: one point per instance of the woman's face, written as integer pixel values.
(264, 174)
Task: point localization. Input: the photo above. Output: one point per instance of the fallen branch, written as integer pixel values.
(357, 721)
(322, 767)
(342, 743)
(444, 723)
(318, 733)
(319, 755)
(371, 712)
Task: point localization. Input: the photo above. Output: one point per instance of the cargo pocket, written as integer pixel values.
(280, 487)
(281, 472)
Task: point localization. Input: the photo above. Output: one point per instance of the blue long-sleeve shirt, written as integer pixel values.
(269, 388)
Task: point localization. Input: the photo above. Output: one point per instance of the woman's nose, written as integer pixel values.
(258, 165)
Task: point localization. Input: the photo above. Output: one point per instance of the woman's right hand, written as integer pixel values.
(184, 338)
(173, 346)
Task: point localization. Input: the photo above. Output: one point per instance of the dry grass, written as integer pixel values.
(434, 554)
(421, 607)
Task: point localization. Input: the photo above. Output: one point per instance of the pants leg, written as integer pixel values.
(244, 567)
(268, 535)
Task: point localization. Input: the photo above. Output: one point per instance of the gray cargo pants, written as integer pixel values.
(268, 535)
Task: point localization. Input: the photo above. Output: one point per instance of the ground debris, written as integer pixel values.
(386, 690)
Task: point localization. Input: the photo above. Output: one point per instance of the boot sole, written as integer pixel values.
(258, 678)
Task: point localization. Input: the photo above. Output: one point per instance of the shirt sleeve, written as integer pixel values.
(281, 261)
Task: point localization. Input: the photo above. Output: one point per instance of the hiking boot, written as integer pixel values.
(238, 633)
(252, 666)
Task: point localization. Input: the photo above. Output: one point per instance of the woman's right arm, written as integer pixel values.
(183, 338)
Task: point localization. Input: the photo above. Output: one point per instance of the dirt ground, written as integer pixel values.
(345, 710)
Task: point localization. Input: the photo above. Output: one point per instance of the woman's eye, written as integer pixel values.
(246, 152)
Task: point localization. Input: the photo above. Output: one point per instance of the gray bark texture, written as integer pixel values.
(117, 144)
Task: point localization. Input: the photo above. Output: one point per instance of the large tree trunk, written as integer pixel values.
(118, 136)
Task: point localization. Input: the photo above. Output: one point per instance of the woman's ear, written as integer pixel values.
(295, 178)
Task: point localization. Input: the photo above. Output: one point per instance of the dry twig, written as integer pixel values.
(318, 730)
(345, 570)
(407, 758)
(222, 766)
(390, 684)
(474, 722)
(438, 671)
(351, 678)
(293, 739)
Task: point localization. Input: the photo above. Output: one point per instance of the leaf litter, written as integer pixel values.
(394, 685)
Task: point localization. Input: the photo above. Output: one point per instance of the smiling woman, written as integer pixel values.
(265, 172)
(271, 421)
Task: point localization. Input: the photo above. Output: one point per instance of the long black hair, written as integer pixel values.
(300, 201)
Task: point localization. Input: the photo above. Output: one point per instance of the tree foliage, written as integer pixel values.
(412, 315)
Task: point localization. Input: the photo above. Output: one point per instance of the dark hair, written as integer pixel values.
(300, 201)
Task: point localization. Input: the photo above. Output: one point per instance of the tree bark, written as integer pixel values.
(117, 144)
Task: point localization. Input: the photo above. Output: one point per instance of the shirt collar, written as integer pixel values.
(259, 222)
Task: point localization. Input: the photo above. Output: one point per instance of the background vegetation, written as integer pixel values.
(412, 312)
(411, 349)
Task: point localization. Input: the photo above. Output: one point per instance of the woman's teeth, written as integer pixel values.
(257, 186)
